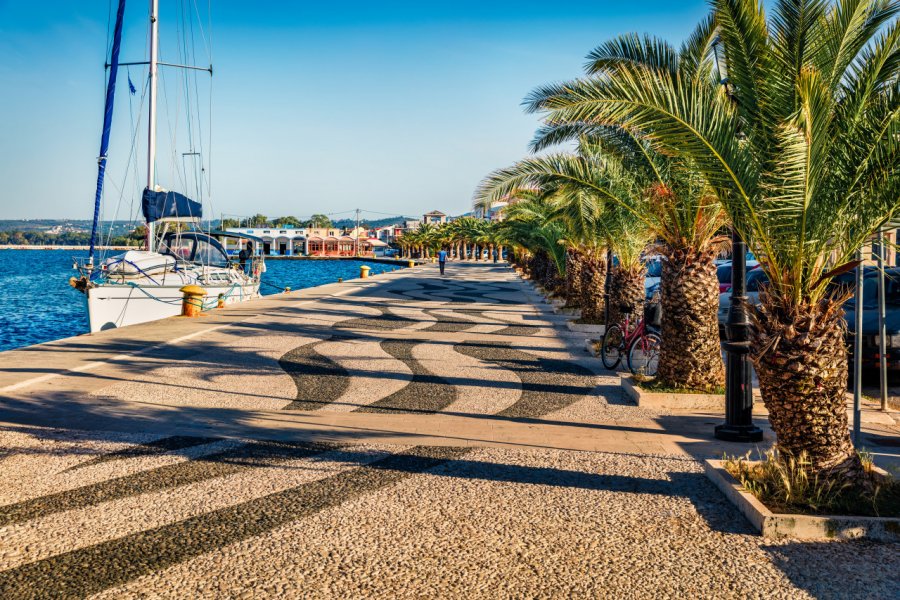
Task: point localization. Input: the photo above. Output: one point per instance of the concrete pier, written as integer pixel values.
(404, 435)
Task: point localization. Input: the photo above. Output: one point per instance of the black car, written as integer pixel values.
(846, 282)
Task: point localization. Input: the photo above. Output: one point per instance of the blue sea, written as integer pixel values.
(37, 305)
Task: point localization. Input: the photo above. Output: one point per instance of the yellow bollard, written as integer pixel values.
(221, 302)
(364, 272)
(411, 264)
(192, 302)
(433, 260)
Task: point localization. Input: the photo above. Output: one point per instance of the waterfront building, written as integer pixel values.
(307, 241)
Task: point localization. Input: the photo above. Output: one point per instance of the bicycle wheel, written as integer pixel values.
(643, 355)
(612, 346)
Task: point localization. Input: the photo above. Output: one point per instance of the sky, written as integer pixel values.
(316, 107)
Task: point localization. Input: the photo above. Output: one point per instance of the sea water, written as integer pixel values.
(38, 305)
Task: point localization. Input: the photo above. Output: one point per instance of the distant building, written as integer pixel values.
(495, 213)
(434, 217)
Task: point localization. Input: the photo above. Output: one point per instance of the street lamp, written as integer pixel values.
(738, 426)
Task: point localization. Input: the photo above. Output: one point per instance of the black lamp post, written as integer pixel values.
(738, 426)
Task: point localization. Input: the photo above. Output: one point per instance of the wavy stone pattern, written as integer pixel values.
(319, 379)
(449, 321)
(386, 320)
(425, 393)
(372, 373)
(482, 388)
(547, 384)
(170, 476)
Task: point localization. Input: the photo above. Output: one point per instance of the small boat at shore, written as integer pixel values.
(144, 285)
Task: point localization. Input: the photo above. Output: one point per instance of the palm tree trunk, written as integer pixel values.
(690, 355)
(574, 276)
(800, 357)
(626, 290)
(593, 288)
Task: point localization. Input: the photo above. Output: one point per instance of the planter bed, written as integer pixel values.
(777, 525)
(672, 400)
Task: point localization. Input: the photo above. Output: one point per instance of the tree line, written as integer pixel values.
(783, 127)
(260, 220)
(68, 238)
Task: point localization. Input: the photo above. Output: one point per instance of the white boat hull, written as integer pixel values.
(117, 305)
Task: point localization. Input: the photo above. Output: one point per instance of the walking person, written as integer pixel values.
(442, 260)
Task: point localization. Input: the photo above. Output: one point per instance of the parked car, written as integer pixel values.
(653, 275)
(723, 273)
(870, 357)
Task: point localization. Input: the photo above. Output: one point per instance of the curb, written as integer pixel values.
(585, 328)
(804, 527)
(671, 400)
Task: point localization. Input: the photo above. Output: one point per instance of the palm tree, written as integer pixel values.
(468, 232)
(671, 203)
(668, 194)
(628, 238)
(800, 145)
(530, 229)
(577, 209)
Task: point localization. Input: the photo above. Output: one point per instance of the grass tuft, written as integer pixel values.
(784, 484)
(651, 384)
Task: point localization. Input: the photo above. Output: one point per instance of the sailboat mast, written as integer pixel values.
(151, 136)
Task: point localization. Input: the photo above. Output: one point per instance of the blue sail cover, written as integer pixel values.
(169, 205)
(107, 122)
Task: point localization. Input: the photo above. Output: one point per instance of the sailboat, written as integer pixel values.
(144, 285)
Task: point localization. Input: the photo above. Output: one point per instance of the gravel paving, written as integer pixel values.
(169, 476)
(372, 373)
(385, 320)
(123, 559)
(482, 523)
(134, 515)
(158, 446)
(129, 515)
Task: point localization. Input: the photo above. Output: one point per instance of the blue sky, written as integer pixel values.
(393, 107)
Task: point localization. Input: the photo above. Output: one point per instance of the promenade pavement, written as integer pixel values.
(408, 436)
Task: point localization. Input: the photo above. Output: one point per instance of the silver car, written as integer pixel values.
(755, 278)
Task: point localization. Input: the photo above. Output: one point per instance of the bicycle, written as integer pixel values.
(641, 345)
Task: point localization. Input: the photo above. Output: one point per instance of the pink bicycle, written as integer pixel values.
(638, 342)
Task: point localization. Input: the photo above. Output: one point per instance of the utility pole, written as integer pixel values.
(357, 232)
